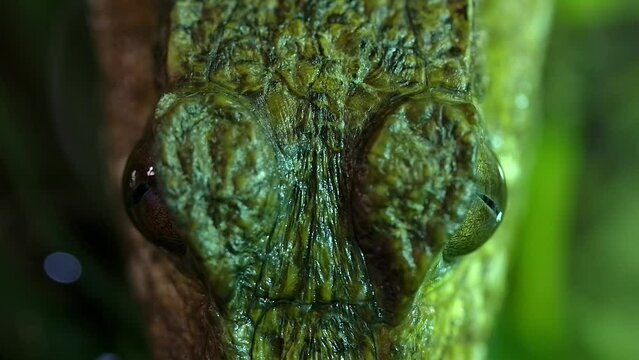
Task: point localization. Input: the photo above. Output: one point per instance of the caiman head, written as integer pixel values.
(319, 166)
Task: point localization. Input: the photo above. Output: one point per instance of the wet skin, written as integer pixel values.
(322, 167)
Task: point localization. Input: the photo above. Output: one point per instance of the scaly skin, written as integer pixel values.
(319, 160)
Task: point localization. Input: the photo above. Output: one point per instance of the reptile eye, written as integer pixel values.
(144, 202)
(486, 210)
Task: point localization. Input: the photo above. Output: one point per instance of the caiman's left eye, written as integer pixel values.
(144, 202)
(486, 210)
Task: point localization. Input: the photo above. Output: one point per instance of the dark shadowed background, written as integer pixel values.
(574, 289)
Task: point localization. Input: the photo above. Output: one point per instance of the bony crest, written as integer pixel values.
(424, 184)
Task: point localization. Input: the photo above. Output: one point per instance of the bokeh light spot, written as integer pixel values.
(108, 356)
(62, 267)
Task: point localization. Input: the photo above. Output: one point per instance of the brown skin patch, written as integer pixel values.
(177, 307)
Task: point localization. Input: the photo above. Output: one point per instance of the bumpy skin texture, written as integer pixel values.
(318, 156)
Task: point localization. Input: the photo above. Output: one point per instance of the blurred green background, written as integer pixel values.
(573, 291)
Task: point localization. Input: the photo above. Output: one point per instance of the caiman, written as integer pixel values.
(329, 171)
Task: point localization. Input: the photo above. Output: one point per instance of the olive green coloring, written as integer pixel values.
(327, 167)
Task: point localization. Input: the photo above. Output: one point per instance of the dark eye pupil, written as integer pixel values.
(491, 204)
(139, 193)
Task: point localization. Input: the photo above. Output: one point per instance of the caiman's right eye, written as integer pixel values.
(486, 210)
(144, 202)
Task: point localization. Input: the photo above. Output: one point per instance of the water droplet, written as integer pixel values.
(62, 267)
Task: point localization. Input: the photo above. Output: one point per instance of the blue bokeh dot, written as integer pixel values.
(108, 356)
(62, 267)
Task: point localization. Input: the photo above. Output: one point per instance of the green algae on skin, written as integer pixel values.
(328, 168)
